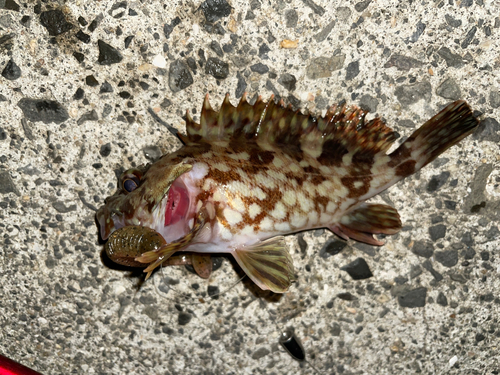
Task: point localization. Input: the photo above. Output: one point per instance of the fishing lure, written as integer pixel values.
(248, 175)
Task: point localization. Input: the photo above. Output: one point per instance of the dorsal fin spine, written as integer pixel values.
(272, 125)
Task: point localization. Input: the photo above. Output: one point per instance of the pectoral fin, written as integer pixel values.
(366, 220)
(268, 264)
(157, 257)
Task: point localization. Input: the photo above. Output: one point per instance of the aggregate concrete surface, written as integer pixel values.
(86, 91)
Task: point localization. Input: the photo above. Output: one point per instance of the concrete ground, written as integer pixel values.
(85, 92)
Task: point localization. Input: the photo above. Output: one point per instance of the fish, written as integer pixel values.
(250, 174)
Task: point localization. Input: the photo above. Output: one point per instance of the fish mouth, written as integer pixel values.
(169, 219)
(108, 221)
(178, 203)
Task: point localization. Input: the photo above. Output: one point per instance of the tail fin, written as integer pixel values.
(442, 131)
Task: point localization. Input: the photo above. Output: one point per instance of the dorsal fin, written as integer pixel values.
(342, 130)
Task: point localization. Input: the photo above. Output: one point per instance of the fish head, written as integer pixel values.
(153, 196)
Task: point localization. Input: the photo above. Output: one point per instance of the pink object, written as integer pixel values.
(9, 367)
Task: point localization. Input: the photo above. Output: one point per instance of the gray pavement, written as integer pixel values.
(87, 89)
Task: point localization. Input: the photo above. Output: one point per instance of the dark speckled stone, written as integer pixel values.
(322, 67)
(437, 182)
(291, 18)
(241, 85)
(419, 30)
(441, 299)
(46, 111)
(413, 298)
(108, 55)
(11, 71)
(259, 68)
(215, 46)
(423, 249)
(410, 94)
(332, 247)
(62, 208)
(213, 291)
(437, 231)
(168, 28)
(428, 266)
(215, 9)
(88, 116)
(105, 88)
(323, 34)
(79, 56)
(452, 21)
(152, 153)
(488, 130)
(352, 70)
(468, 38)
(79, 94)
(447, 258)
(260, 353)
(449, 89)
(184, 318)
(288, 81)
(179, 76)
(362, 5)
(91, 81)
(217, 68)
(55, 22)
(402, 63)
(9, 5)
(85, 38)
(368, 102)
(105, 150)
(452, 60)
(7, 184)
(319, 10)
(358, 269)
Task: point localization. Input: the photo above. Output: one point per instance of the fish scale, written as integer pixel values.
(249, 174)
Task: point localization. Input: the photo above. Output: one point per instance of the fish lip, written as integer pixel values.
(100, 219)
(102, 216)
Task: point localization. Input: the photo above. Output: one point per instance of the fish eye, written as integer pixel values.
(130, 184)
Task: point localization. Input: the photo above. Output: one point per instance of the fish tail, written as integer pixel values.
(442, 131)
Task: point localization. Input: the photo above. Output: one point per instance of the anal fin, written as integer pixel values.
(366, 220)
(268, 264)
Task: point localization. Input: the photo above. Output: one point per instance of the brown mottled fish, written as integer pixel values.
(248, 175)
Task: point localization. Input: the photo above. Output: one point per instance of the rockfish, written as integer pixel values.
(248, 175)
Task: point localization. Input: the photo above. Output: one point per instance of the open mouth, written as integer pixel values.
(177, 203)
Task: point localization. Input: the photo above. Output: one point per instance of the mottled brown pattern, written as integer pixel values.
(261, 157)
(247, 220)
(311, 170)
(320, 200)
(317, 179)
(273, 196)
(223, 177)
(354, 192)
(399, 155)
(252, 169)
(405, 169)
(203, 196)
(300, 178)
(236, 146)
(363, 158)
(333, 151)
